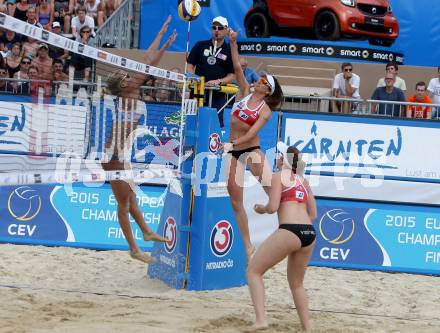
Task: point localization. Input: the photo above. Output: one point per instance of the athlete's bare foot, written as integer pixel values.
(152, 236)
(260, 326)
(142, 256)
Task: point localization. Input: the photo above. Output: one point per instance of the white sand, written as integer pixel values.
(76, 290)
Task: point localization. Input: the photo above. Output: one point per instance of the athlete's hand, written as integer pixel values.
(227, 147)
(170, 40)
(164, 27)
(260, 209)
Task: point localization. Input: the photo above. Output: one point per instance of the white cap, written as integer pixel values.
(56, 24)
(220, 19)
(271, 82)
(282, 147)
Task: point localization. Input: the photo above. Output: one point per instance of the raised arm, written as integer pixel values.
(162, 50)
(153, 48)
(239, 75)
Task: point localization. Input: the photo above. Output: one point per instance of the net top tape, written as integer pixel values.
(29, 30)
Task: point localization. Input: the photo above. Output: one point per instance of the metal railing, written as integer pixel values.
(171, 92)
(358, 106)
(117, 29)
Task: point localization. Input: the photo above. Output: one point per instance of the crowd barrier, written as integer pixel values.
(165, 91)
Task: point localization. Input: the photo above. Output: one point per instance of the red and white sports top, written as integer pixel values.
(241, 111)
(297, 192)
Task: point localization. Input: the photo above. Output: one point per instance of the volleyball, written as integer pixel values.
(189, 10)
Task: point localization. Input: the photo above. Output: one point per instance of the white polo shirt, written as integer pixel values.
(355, 82)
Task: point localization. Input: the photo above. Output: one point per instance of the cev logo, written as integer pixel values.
(170, 233)
(222, 236)
(336, 226)
(24, 203)
(214, 143)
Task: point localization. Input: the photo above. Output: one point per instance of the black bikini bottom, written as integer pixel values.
(238, 153)
(305, 232)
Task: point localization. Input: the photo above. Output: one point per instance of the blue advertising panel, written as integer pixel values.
(80, 217)
(359, 30)
(365, 235)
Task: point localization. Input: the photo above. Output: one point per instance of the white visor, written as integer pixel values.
(271, 81)
(282, 148)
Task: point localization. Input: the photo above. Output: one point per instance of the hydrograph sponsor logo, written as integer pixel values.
(222, 237)
(214, 143)
(170, 233)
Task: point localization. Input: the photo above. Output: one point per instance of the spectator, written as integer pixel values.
(57, 52)
(388, 93)
(13, 59)
(36, 85)
(81, 20)
(63, 10)
(58, 73)
(250, 74)
(22, 74)
(80, 64)
(423, 112)
(45, 14)
(9, 39)
(43, 62)
(32, 17)
(8, 7)
(95, 10)
(110, 6)
(434, 90)
(346, 85)
(30, 47)
(212, 59)
(5, 86)
(20, 10)
(393, 68)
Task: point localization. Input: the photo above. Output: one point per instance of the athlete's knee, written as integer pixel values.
(237, 204)
(124, 205)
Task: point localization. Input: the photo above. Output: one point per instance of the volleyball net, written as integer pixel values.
(61, 115)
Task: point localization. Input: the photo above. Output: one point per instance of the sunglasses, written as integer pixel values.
(262, 80)
(218, 28)
(348, 69)
(26, 62)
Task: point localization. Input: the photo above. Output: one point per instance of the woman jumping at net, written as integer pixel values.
(125, 86)
(249, 116)
(293, 200)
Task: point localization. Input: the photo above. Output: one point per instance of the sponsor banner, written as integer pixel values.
(364, 147)
(159, 125)
(40, 129)
(319, 50)
(377, 236)
(78, 216)
(55, 128)
(386, 30)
